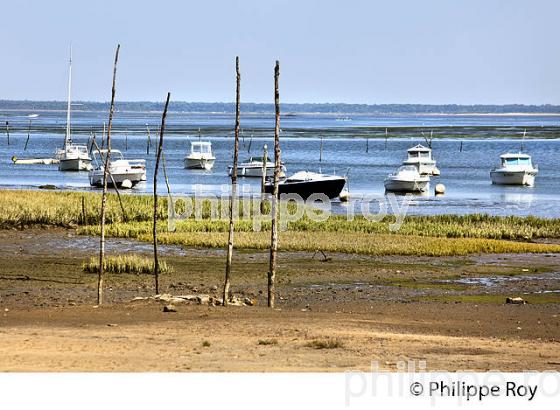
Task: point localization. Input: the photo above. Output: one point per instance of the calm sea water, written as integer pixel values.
(465, 173)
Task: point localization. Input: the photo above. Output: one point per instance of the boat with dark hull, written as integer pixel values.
(306, 183)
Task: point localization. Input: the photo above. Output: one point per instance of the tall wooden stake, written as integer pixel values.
(8, 131)
(158, 156)
(263, 178)
(225, 294)
(274, 229)
(28, 135)
(126, 140)
(367, 144)
(103, 136)
(386, 135)
(104, 195)
(149, 140)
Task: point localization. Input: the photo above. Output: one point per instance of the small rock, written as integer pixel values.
(516, 301)
(112, 324)
(249, 302)
(213, 288)
(169, 308)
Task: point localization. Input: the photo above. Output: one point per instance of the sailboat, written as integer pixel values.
(72, 157)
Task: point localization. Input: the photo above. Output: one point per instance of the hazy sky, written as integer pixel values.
(370, 51)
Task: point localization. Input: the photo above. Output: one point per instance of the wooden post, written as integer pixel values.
(149, 142)
(386, 138)
(225, 294)
(367, 144)
(83, 210)
(8, 131)
(103, 136)
(126, 140)
(28, 135)
(104, 195)
(274, 228)
(263, 178)
(158, 156)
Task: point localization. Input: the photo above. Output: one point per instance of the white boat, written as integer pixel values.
(254, 168)
(421, 157)
(407, 179)
(515, 169)
(201, 156)
(123, 172)
(73, 157)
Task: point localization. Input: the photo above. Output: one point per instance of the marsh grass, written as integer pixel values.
(126, 264)
(440, 235)
(325, 344)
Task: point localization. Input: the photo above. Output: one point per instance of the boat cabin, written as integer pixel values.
(201, 147)
(419, 151)
(100, 156)
(511, 160)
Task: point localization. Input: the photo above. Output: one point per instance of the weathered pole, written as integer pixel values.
(28, 135)
(386, 135)
(225, 294)
(263, 177)
(149, 138)
(126, 140)
(8, 131)
(367, 144)
(103, 135)
(274, 228)
(158, 156)
(104, 194)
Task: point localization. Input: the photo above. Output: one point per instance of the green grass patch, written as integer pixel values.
(126, 264)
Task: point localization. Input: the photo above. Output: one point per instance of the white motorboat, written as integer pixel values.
(515, 169)
(254, 168)
(305, 184)
(201, 156)
(407, 179)
(421, 157)
(73, 157)
(124, 173)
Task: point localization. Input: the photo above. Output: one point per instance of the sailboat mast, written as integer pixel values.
(68, 138)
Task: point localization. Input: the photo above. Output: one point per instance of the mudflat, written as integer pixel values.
(334, 313)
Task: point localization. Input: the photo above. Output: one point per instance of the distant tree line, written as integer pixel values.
(287, 109)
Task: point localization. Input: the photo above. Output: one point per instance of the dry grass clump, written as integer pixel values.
(325, 344)
(125, 264)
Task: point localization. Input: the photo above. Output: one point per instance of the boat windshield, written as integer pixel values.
(516, 161)
(77, 148)
(201, 147)
(115, 155)
(408, 168)
(258, 159)
(419, 154)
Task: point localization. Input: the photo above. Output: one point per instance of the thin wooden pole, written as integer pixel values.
(114, 183)
(8, 131)
(226, 294)
(386, 135)
(158, 156)
(28, 135)
(263, 178)
(367, 144)
(104, 195)
(274, 229)
(250, 143)
(103, 136)
(126, 140)
(149, 140)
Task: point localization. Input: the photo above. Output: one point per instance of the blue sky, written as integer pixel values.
(399, 51)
